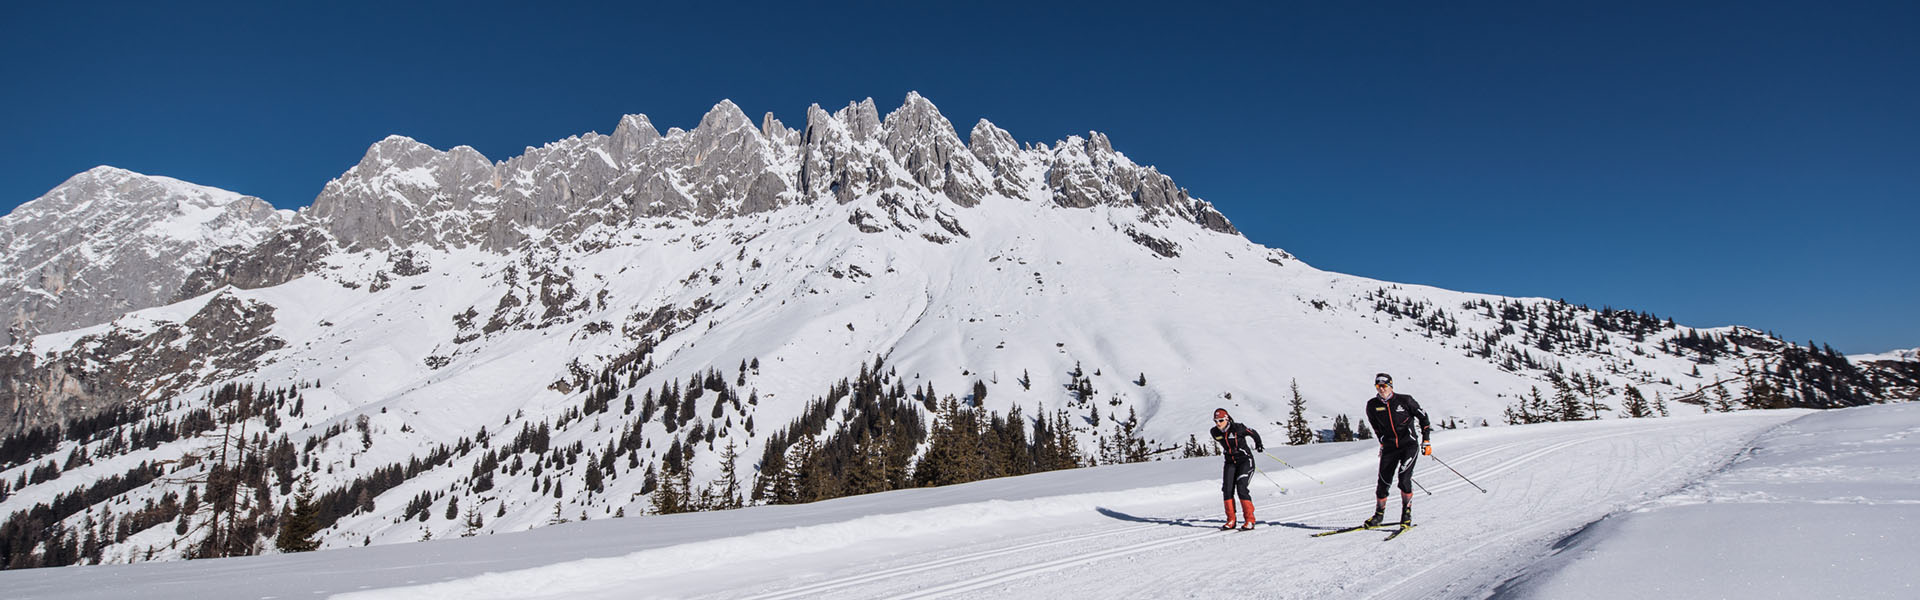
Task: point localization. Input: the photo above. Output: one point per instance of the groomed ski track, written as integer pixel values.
(1147, 530)
(1544, 482)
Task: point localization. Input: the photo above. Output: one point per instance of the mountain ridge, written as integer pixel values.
(410, 345)
(109, 240)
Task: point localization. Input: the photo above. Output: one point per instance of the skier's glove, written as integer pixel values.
(1426, 448)
(1259, 448)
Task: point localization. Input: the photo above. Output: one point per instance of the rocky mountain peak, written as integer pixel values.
(109, 240)
(723, 117)
(777, 132)
(924, 142)
(404, 192)
(861, 118)
(398, 151)
(1000, 154)
(633, 133)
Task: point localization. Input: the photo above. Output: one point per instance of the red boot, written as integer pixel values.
(1246, 507)
(1229, 524)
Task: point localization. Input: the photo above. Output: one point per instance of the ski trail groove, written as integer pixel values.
(1397, 588)
(974, 583)
(867, 577)
(1022, 572)
(833, 584)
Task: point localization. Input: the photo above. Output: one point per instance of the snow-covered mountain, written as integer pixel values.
(1693, 506)
(109, 240)
(444, 345)
(1908, 355)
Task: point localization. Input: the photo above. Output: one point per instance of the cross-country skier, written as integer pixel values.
(1237, 444)
(1393, 416)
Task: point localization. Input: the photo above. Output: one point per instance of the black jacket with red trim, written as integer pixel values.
(1393, 421)
(1233, 441)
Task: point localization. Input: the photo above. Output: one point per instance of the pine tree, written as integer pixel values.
(669, 497)
(1538, 408)
(1342, 430)
(1570, 407)
(1722, 400)
(1055, 445)
(954, 450)
(1193, 448)
(1128, 447)
(1298, 433)
(816, 480)
(473, 522)
(868, 472)
(786, 488)
(1635, 404)
(595, 481)
(729, 492)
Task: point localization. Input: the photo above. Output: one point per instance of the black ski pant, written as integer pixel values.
(1396, 461)
(1235, 476)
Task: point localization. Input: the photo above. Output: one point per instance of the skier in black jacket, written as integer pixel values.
(1237, 445)
(1393, 416)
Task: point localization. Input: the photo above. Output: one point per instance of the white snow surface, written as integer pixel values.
(1161, 317)
(1034, 293)
(1733, 505)
(1907, 355)
(1826, 506)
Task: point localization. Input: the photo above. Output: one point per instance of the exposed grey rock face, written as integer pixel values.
(924, 143)
(723, 167)
(62, 269)
(123, 367)
(841, 160)
(1087, 172)
(997, 150)
(402, 191)
(109, 240)
(283, 257)
(405, 193)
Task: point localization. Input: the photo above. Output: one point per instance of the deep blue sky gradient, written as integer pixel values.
(1750, 163)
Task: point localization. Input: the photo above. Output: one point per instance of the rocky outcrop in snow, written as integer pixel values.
(109, 240)
(124, 365)
(404, 192)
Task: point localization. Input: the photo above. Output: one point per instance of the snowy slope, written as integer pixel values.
(110, 240)
(1729, 485)
(463, 319)
(1907, 355)
(1827, 505)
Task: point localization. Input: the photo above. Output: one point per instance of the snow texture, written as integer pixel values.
(442, 316)
(1703, 506)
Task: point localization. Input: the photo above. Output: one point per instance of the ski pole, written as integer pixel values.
(1263, 473)
(1457, 472)
(1270, 455)
(1416, 483)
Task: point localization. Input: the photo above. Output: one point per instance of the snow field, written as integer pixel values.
(1826, 506)
(1160, 540)
(1733, 505)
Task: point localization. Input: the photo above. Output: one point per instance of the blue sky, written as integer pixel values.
(1750, 163)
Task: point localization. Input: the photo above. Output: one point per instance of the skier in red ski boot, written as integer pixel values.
(1237, 445)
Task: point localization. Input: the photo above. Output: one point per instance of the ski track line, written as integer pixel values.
(1394, 589)
(837, 583)
(833, 584)
(1022, 572)
(974, 583)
